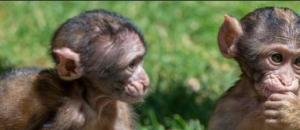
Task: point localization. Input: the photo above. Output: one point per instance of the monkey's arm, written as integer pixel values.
(69, 115)
(225, 116)
(234, 109)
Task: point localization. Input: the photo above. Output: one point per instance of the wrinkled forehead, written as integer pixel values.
(132, 48)
(133, 43)
(127, 44)
(124, 40)
(276, 26)
(119, 50)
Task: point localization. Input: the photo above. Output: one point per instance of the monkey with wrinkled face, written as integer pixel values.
(104, 52)
(105, 48)
(266, 44)
(98, 57)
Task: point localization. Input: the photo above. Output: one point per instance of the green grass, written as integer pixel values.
(186, 69)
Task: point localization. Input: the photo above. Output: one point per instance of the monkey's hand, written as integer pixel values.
(283, 109)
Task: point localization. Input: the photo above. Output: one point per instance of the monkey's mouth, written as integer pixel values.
(272, 84)
(278, 87)
(266, 89)
(134, 92)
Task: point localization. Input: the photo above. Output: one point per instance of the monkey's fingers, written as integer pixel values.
(272, 114)
(275, 105)
(272, 122)
(281, 96)
(290, 95)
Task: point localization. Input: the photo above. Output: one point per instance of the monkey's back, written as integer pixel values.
(24, 97)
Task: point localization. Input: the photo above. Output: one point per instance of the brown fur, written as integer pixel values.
(98, 112)
(237, 108)
(28, 96)
(267, 95)
(98, 74)
(285, 14)
(100, 54)
(24, 103)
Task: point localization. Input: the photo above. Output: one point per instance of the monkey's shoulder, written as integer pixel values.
(238, 98)
(233, 105)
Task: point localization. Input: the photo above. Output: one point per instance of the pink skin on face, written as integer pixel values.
(276, 84)
(138, 85)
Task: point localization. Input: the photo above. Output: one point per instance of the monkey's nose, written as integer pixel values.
(286, 81)
(146, 82)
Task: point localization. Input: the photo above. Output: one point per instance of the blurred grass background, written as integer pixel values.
(186, 69)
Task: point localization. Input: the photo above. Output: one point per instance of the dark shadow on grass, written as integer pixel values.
(178, 100)
(5, 65)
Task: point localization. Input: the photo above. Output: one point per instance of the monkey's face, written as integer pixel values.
(129, 85)
(277, 70)
(105, 49)
(119, 72)
(115, 68)
(266, 45)
(270, 51)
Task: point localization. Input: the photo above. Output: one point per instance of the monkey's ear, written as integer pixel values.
(229, 33)
(68, 66)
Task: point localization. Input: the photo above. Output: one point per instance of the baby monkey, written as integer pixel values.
(99, 73)
(266, 44)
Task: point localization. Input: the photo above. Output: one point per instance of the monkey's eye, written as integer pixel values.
(133, 64)
(297, 62)
(276, 58)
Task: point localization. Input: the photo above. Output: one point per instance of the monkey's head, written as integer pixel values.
(266, 44)
(104, 49)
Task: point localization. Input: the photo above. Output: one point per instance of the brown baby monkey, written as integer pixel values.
(266, 45)
(99, 73)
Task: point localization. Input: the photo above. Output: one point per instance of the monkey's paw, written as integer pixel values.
(282, 110)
